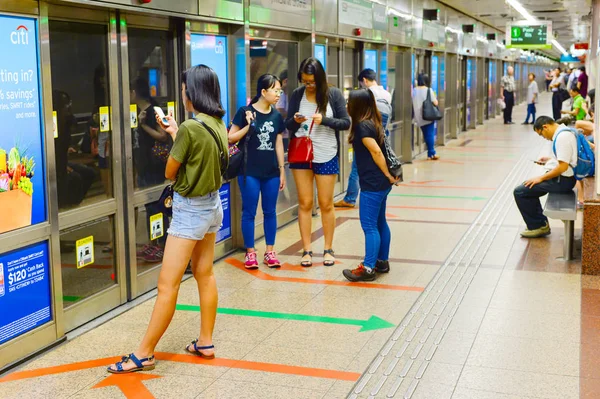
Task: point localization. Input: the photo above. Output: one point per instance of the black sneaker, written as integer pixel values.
(382, 266)
(361, 273)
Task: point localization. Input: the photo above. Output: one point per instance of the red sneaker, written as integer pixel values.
(251, 263)
(271, 259)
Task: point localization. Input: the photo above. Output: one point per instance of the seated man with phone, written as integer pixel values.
(559, 176)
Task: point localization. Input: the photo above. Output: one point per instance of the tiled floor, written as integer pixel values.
(526, 326)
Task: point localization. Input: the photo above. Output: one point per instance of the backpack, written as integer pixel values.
(585, 156)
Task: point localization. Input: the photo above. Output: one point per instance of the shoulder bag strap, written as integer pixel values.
(217, 141)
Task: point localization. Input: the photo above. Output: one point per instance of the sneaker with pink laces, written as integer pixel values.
(271, 259)
(251, 263)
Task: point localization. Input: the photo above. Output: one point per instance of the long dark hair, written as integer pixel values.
(362, 107)
(203, 90)
(312, 66)
(265, 82)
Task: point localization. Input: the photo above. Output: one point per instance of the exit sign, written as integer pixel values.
(528, 36)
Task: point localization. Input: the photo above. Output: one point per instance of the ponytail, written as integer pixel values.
(265, 82)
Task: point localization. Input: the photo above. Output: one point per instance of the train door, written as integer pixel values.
(517, 76)
(452, 97)
(490, 103)
(421, 65)
(400, 86)
(277, 53)
(84, 72)
(497, 79)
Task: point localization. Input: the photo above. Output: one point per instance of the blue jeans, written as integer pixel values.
(528, 199)
(353, 184)
(375, 226)
(530, 111)
(429, 136)
(268, 190)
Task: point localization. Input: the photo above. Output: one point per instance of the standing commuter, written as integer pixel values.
(317, 110)
(367, 138)
(508, 94)
(367, 78)
(264, 176)
(557, 84)
(582, 82)
(559, 176)
(532, 95)
(548, 79)
(282, 104)
(195, 165)
(427, 127)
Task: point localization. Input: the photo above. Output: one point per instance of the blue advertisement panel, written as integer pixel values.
(443, 75)
(383, 77)
(212, 51)
(434, 74)
(469, 73)
(321, 55)
(225, 194)
(22, 171)
(24, 290)
(371, 59)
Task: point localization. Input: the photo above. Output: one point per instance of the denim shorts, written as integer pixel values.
(194, 217)
(326, 168)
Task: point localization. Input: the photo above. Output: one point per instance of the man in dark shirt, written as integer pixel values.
(582, 82)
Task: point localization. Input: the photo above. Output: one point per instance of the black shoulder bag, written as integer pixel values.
(430, 111)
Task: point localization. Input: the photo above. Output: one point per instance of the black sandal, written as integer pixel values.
(309, 262)
(329, 262)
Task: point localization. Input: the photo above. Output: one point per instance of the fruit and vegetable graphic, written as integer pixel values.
(16, 188)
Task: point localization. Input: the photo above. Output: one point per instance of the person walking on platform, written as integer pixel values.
(195, 165)
(508, 94)
(318, 111)
(557, 83)
(532, 95)
(367, 78)
(262, 126)
(367, 137)
(559, 176)
(427, 127)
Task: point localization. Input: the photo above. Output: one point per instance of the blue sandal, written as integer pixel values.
(329, 262)
(197, 350)
(136, 361)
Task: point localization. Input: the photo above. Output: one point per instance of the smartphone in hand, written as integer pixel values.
(163, 119)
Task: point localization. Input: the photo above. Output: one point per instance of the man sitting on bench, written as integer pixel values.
(559, 176)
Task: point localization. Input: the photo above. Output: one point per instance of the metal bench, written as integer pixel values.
(563, 206)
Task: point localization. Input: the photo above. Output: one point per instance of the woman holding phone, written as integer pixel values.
(264, 176)
(367, 137)
(318, 111)
(195, 165)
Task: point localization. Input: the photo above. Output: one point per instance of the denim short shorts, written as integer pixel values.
(194, 217)
(326, 168)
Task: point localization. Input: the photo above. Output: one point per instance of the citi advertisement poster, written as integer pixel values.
(22, 174)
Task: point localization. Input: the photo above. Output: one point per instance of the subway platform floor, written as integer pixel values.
(469, 309)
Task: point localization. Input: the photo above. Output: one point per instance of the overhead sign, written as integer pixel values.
(352, 12)
(528, 35)
(380, 20)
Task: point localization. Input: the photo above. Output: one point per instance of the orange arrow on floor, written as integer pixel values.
(130, 384)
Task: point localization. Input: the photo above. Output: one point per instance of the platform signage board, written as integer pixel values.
(24, 290)
(22, 163)
(526, 35)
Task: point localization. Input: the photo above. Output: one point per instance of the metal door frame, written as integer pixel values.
(89, 308)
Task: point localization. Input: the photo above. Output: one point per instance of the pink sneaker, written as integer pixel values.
(271, 259)
(251, 263)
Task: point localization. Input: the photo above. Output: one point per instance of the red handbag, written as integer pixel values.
(300, 149)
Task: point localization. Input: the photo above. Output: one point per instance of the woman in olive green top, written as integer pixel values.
(197, 215)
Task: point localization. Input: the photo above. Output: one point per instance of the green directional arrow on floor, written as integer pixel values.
(439, 196)
(372, 323)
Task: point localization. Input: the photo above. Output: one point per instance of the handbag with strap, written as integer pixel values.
(393, 162)
(430, 111)
(165, 201)
(300, 149)
(238, 157)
